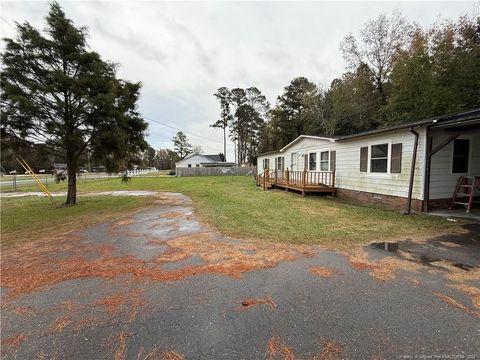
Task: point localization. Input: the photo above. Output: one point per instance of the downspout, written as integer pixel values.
(428, 162)
(412, 172)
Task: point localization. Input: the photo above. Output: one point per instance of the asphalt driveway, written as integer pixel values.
(159, 284)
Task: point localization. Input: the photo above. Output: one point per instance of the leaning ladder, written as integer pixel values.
(464, 192)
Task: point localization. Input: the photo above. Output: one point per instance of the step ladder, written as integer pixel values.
(464, 192)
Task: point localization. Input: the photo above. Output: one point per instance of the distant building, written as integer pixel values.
(198, 160)
(58, 167)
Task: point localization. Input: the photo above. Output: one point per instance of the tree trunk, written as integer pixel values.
(225, 143)
(72, 181)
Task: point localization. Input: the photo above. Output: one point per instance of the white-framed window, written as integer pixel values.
(324, 160)
(312, 161)
(189, 165)
(379, 158)
(197, 165)
(279, 163)
(266, 164)
(461, 154)
(293, 160)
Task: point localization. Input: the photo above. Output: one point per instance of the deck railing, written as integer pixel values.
(301, 179)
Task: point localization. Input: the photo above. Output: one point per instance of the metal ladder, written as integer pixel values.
(463, 194)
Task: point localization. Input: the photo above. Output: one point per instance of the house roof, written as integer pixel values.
(210, 158)
(216, 158)
(450, 120)
(438, 121)
(305, 137)
(301, 137)
(218, 163)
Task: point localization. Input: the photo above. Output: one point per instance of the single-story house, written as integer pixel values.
(199, 160)
(413, 166)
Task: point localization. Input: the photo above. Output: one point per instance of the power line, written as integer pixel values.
(6, 22)
(185, 131)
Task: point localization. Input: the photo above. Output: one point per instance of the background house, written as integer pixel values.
(199, 160)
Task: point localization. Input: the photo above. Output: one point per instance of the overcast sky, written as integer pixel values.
(182, 52)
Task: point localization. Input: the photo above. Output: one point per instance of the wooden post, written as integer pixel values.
(287, 179)
(333, 183)
(304, 181)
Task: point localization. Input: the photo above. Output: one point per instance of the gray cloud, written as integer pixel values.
(183, 51)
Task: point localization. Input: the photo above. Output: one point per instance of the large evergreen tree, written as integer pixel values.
(56, 91)
(293, 114)
(224, 95)
(181, 145)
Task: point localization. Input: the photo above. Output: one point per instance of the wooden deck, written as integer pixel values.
(303, 181)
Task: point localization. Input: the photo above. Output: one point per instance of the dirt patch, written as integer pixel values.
(456, 304)
(276, 349)
(322, 271)
(266, 300)
(170, 200)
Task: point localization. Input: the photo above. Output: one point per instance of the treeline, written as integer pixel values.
(397, 72)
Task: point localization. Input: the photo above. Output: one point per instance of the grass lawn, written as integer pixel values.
(232, 205)
(33, 218)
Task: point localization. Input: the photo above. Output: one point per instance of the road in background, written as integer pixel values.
(13, 182)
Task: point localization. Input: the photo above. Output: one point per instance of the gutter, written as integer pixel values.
(412, 172)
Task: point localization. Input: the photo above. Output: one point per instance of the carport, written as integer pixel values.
(452, 152)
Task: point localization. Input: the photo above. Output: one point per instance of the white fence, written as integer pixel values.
(141, 172)
(14, 182)
(217, 171)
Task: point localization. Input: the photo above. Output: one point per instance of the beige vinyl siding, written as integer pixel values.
(442, 180)
(348, 175)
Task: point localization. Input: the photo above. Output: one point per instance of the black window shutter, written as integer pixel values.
(363, 159)
(396, 160)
